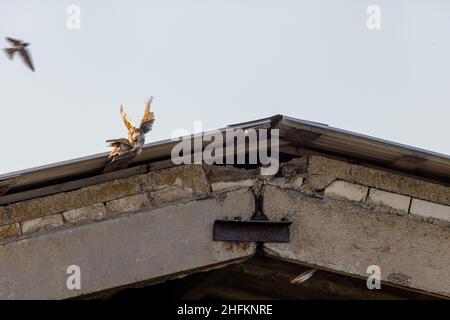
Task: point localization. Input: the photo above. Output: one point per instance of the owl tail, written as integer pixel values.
(113, 143)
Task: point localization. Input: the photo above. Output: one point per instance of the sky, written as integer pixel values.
(220, 62)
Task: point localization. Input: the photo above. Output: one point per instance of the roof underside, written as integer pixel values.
(250, 280)
(294, 133)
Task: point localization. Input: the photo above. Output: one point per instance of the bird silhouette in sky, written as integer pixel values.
(136, 135)
(20, 47)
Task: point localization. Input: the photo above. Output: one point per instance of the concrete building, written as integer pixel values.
(352, 202)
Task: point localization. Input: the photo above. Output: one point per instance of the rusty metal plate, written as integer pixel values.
(251, 231)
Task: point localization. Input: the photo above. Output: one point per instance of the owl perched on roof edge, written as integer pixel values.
(136, 136)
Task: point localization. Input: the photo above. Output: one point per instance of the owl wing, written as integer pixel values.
(118, 142)
(128, 123)
(148, 118)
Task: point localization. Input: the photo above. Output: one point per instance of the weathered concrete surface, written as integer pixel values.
(389, 199)
(94, 212)
(123, 250)
(43, 206)
(346, 191)
(128, 204)
(44, 223)
(187, 176)
(190, 177)
(347, 238)
(294, 168)
(430, 210)
(10, 230)
(170, 195)
(323, 170)
(220, 186)
(228, 173)
(282, 182)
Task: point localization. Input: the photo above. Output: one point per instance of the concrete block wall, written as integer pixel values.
(387, 200)
(402, 201)
(122, 196)
(315, 176)
(150, 227)
(347, 237)
(336, 192)
(322, 171)
(151, 246)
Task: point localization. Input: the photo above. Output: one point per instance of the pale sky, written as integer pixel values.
(220, 62)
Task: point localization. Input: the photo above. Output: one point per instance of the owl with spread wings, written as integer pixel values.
(136, 135)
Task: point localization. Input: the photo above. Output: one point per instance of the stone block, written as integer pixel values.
(9, 231)
(43, 223)
(94, 212)
(377, 178)
(430, 210)
(229, 185)
(346, 191)
(128, 204)
(388, 199)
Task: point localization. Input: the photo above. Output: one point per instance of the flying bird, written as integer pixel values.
(20, 47)
(136, 135)
(303, 277)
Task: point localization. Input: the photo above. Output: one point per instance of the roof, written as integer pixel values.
(295, 132)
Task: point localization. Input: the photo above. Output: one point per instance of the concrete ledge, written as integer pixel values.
(430, 210)
(295, 183)
(230, 185)
(43, 223)
(10, 230)
(94, 212)
(324, 170)
(153, 244)
(388, 199)
(128, 204)
(190, 177)
(346, 191)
